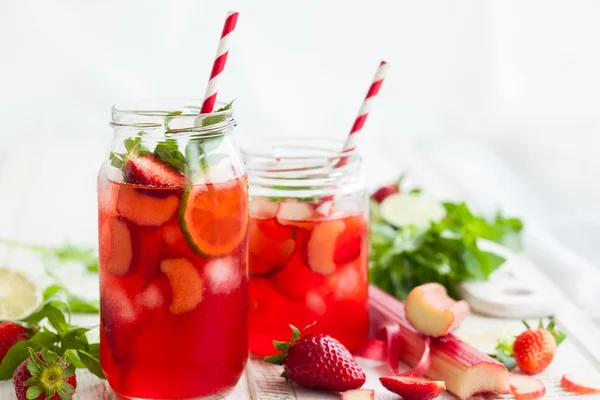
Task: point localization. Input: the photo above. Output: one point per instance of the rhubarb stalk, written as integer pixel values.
(465, 370)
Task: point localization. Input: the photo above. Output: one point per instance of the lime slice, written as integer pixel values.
(19, 294)
(402, 209)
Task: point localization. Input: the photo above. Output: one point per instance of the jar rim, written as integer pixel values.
(176, 115)
(274, 149)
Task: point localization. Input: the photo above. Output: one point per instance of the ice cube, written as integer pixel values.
(151, 297)
(316, 303)
(223, 275)
(117, 306)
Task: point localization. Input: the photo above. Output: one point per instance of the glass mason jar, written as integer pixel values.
(308, 253)
(172, 221)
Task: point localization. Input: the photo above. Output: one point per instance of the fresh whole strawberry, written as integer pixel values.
(534, 349)
(383, 192)
(10, 334)
(413, 387)
(318, 361)
(44, 375)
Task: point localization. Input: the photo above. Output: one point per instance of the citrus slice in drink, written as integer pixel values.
(214, 217)
(19, 294)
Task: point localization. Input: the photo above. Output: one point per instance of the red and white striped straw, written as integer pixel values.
(363, 113)
(219, 64)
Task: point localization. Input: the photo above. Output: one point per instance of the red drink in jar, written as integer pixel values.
(308, 258)
(173, 271)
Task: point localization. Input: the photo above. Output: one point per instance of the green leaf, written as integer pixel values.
(55, 308)
(73, 358)
(34, 392)
(91, 360)
(19, 352)
(295, 333)
(217, 118)
(49, 357)
(168, 152)
(281, 346)
(65, 391)
(276, 359)
(76, 303)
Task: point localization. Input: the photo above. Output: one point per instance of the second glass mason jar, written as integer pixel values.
(172, 221)
(308, 253)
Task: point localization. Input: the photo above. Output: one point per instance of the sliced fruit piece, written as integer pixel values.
(145, 210)
(358, 394)
(321, 246)
(526, 387)
(223, 275)
(19, 294)
(292, 212)
(186, 284)
(149, 170)
(403, 209)
(412, 387)
(270, 245)
(214, 217)
(262, 208)
(465, 370)
(121, 248)
(579, 384)
(296, 280)
(350, 242)
(325, 208)
(432, 312)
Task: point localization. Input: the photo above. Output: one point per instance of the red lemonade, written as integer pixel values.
(173, 285)
(306, 267)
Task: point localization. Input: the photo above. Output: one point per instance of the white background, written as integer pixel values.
(519, 78)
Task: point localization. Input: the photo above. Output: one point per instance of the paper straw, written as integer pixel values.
(219, 64)
(363, 113)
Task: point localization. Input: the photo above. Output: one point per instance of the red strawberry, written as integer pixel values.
(318, 361)
(10, 334)
(44, 375)
(385, 191)
(149, 170)
(534, 349)
(413, 387)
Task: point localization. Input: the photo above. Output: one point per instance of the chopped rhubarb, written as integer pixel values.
(465, 370)
(579, 384)
(186, 284)
(432, 312)
(145, 210)
(321, 246)
(358, 394)
(149, 170)
(413, 387)
(121, 248)
(526, 387)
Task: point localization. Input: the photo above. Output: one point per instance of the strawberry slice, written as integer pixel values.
(412, 387)
(186, 284)
(296, 280)
(349, 244)
(271, 245)
(149, 170)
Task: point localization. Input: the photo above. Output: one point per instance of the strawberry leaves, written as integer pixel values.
(48, 375)
(283, 347)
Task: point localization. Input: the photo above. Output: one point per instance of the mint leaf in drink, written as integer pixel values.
(168, 152)
(215, 119)
(446, 251)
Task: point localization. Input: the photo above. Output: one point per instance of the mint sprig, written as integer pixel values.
(445, 252)
(53, 330)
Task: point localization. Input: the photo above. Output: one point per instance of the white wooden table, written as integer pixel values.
(48, 197)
